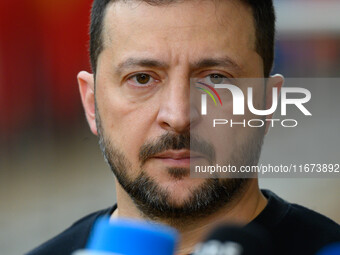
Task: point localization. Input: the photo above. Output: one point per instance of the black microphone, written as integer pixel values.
(235, 240)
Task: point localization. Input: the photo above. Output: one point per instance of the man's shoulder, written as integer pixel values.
(299, 228)
(73, 238)
(310, 221)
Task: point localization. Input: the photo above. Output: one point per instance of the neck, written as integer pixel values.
(241, 211)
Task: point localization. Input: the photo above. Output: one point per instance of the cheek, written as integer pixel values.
(254, 98)
(125, 123)
(226, 138)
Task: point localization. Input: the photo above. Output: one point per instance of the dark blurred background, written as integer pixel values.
(51, 169)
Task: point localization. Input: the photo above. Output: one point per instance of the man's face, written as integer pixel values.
(143, 89)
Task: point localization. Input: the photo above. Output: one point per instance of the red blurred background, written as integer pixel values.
(43, 45)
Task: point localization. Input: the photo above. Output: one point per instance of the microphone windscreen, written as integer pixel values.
(131, 237)
(234, 240)
(333, 249)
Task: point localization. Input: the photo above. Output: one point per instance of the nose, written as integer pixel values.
(175, 113)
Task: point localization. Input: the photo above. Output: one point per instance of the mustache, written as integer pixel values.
(171, 141)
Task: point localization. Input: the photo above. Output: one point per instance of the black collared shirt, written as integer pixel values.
(294, 230)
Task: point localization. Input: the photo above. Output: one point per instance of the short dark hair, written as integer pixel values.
(263, 13)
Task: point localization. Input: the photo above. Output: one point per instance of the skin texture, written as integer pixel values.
(176, 38)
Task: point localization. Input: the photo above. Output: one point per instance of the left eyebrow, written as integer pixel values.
(215, 62)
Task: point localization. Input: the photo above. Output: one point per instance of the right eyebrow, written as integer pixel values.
(140, 62)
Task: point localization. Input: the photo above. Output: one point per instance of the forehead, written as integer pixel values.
(182, 28)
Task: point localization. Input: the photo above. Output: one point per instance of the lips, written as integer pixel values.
(178, 155)
(178, 158)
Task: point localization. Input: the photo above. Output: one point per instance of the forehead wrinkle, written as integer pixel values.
(107, 26)
(252, 26)
(110, 27)
(134, 4)
(236, 8)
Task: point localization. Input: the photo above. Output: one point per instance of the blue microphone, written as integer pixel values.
(130, 237)
(333, 249)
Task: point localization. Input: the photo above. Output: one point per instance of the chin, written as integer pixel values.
(180, 190)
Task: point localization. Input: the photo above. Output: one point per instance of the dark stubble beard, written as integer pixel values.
(155, 202)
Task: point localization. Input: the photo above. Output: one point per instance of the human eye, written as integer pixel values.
(141, 80)
(215, 78)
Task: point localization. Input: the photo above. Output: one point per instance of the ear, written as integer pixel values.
(275, 81)
(86, 88)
